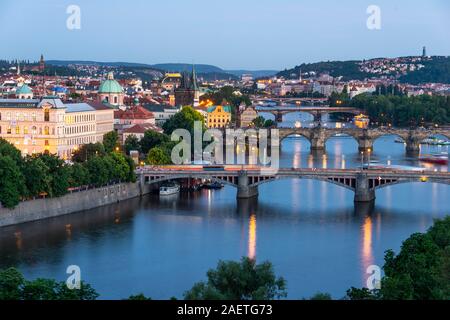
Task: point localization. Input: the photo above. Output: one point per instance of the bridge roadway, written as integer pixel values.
(365, 138)
(316, 112)
(247, 179)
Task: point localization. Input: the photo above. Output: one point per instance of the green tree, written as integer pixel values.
(139, 297)
(183, 120)
(110, 141)
(244, 280)
(158, 156)
(122, 167)
(12, 183)
(37, 177)
(79, 175)
(59, 173)
(87, 151)
(321, 296)
(98, 171)
(132, 143)
(420, 271)
(11, 283)
(13, 286)
(7, 149)
(152, 139)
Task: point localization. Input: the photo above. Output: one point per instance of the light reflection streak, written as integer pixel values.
(252, 237)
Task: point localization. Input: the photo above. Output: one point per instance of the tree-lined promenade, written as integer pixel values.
(39, 175)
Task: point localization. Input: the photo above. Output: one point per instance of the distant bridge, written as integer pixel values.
(287, 100)
(316, 112)
(362, 182)
(364, 137)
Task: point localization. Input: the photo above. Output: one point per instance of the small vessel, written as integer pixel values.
(435, 142)
(169, 189)
(213, 185)
(399, 140)
(438, 158)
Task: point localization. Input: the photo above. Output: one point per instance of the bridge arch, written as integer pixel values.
(230, 182)
(349, 184)
(403, 181)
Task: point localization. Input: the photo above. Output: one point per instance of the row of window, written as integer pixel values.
(20, 116)
(79, 118)
(26, 130)
(80, 129)
(82, 140)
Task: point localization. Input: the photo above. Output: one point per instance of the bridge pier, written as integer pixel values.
(365, 144)
(279, 117)
(244, 190)
(363, 193)
(317, 139)
(412, 147)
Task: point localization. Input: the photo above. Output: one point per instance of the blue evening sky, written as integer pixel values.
(232, 34)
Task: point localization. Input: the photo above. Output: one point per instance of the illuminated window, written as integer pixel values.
(46, 131)
(33, 130)
(33, 116)
(46, 115)
(25, 130)
(46, 143)
(17, 130)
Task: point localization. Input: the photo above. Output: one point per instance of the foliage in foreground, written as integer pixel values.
(420, 271)
(244, 280)
(13, 286)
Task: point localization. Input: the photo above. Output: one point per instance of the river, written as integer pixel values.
(310, 230)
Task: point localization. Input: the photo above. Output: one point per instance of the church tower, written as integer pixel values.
(195, 88)
(42, 64)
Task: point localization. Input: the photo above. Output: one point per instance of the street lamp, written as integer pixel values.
(368, 155)
(362, 160)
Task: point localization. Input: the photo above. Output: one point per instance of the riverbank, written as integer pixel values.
(39, 209)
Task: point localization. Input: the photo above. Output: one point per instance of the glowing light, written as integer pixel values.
(252, 237)
(367, 243)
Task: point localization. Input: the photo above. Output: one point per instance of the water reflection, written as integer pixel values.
(309, 230)
(252, 237)
(367, 254)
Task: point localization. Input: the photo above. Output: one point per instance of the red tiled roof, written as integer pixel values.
(142, 128)
(136, 112)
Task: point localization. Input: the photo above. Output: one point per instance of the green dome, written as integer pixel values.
(24, 90)
(110, 85)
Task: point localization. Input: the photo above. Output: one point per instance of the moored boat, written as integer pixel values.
(434, 158)
(169, 189)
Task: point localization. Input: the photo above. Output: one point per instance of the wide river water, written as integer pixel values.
(310, 230)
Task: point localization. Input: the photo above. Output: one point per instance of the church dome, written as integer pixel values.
(110, 85)
(24, 90)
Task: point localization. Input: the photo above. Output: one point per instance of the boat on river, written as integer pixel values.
(167, 190)
(436, 158)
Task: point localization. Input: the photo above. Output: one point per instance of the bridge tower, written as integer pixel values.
(244, 190)
(363, 192)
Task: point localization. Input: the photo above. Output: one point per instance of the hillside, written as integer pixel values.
(436, 70)
(347, 69)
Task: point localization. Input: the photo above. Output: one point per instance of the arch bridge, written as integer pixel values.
(365, 138)
(316, 112)
(362, 183)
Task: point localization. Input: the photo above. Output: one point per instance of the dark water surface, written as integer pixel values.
(309, 230)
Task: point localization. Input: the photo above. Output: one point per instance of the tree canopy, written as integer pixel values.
(244, 280)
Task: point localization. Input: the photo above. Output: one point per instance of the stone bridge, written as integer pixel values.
(316, 112)
(318, 136)
(362, 182)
